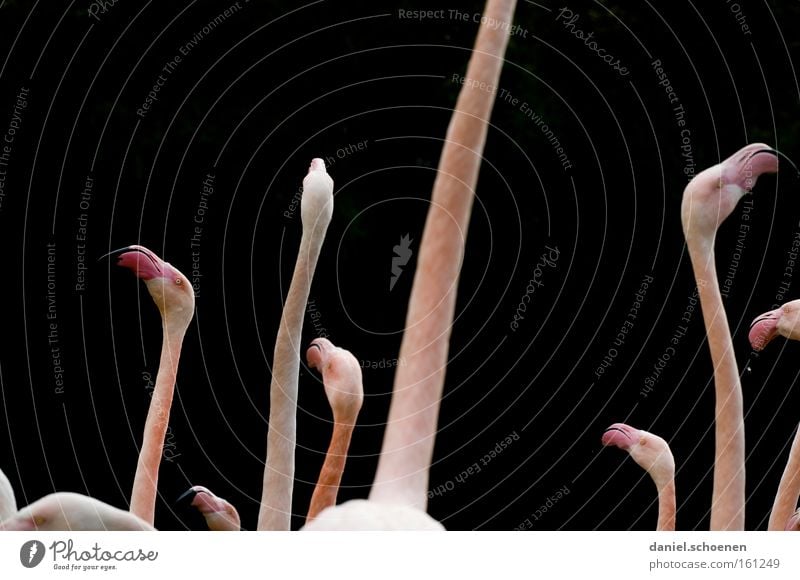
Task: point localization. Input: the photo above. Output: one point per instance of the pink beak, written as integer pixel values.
(206, 502)
(763, 329)
(144, 263)
(620, 435)
(18, 524)
(316, 352)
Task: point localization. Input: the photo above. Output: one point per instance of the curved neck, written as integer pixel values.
(402, 474)
(789, 489)
(666, 507)
(330, 477)
(145, 482)
(276, 494)
(727, 507)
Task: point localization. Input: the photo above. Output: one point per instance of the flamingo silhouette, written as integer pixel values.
(708, 199)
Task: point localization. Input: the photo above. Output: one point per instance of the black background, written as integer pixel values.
(276, 84)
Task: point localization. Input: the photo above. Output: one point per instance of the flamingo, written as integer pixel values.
(219, 514)
(72, 512)
(653, 454)
(316, 209)
(794, 523)
(8, 503)
(708, 199)
(341, 375)
(398, 498)
(782, 321)
(172, 292)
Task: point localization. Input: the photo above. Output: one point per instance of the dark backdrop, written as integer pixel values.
(273, 84)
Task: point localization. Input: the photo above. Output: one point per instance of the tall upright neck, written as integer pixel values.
(330, 477)
(276, 494)
(145, 482)
(727, 507)
(666, 507)
(788, 490)
(404, 464)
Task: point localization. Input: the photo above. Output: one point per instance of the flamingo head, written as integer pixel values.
(341, 375)
(793, 525)
(219, 514)
(712, 195)
(783, 321)
(316, 205)
(650, 451)
(72, 512)
(170, 289)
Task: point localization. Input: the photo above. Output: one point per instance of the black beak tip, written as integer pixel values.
(113, 253)
(186, 498)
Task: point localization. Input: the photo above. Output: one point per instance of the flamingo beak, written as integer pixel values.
(316, 353)
(144, 263)
(619, 435)
(19, 524)
(763, 329)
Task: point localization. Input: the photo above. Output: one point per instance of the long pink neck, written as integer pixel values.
(727, 507)
(276, 494)
(789, 489)
(330, 477)
(145, 482)
(666, 507)
(402, 474)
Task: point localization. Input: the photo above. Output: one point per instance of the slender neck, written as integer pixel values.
(404, 464)
(145, 482)
(276, 495)
(330, 476)
(666, 507)
(727, 507)
(789, 489)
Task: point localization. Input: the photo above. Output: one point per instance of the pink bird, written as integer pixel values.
(794, 523)
(72, 512)
(708, 199)
(653, 455)
(398, 499)
(341, 376)
(219, 514)
(8, 503)
(316, 209)
(783, 321)
(173, 294)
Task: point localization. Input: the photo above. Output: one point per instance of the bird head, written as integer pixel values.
(316, 205)
(219, 514)
(341, 376)
(712, 195)
(170, 289)
(650, 451)
(783, 321)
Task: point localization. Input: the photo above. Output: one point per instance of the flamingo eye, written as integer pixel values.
(178, 281)
(642, 441)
